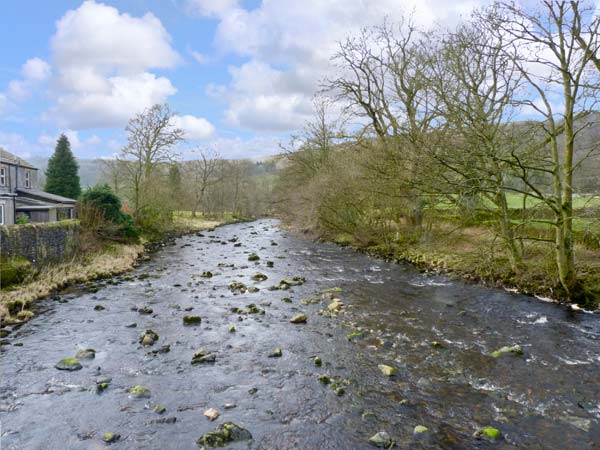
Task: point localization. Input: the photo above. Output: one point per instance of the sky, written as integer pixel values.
(240, 74)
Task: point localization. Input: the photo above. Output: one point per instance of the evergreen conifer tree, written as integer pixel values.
(62, 176)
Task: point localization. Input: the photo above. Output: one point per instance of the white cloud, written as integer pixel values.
(290, 44)
(211, 8)
(102, 58)
(194, 127)
(36, 69)
(199, 57)
(34, 72)
(97, 35)
(114, 104)
(49, 141)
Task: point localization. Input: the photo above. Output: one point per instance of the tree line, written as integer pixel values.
(430, 123)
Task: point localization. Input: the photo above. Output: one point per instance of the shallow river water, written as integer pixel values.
(437, 333)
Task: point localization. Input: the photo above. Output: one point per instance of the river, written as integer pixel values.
(438, 334)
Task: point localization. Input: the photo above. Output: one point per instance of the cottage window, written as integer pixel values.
(2, 176)
(1, 214)
(27, 179)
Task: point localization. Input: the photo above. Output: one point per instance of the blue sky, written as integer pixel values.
(239, 74)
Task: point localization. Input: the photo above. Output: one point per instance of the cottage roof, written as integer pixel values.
(7, 157)
(45, 197)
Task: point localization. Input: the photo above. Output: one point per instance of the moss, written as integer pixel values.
(388, 371)
(139, 392)
(68, 364)
(192, 320)
(14, 271)
(491, 433)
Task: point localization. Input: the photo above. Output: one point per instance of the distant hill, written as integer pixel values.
(90, 170)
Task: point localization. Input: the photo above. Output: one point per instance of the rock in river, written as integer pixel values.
(68, 364)
(224, 434)
(212, 414)
(258, 276)
(192, 320)
(109, 438)
(514, 350)
(203, 356)
(489, 433)
(148, 337)
(387, 370)
(381, 440)
(88, 353)
(299, 318)
(276, 353)
(139, 392)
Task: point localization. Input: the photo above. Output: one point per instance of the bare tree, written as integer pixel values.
(200, 175)
(556, 57)
(151, 142)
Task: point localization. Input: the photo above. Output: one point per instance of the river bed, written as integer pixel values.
(436, 333)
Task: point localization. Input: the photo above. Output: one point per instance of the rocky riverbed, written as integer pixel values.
(250, 338)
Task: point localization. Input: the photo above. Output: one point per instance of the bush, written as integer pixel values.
(22, 219)
(100, 211)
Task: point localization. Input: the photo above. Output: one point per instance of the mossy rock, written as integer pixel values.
(295, 281)
(192, 320)
(109, 438)
(203, 357)
(419, 429)
(382, 440)
(388, 371)
(258, 276)
(514, 350)
(14, 271)
(299, 318)
(488, 433)
(139, 392)
(224, 434)
(88, 353)
(354, 335)
(70, 364)
(253, 257)
(277, 353)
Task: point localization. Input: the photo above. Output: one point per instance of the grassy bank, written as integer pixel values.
(112, 259)
(473, 254)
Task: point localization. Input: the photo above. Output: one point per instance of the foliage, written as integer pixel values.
(21, 219)
(62, 173)
(100, 211)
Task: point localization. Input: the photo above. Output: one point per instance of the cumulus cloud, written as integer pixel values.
(114, 103)
(34, 72)
(300, 37)
(195, 128)
(102, 59)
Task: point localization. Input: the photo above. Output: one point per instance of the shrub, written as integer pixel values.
(100, 211)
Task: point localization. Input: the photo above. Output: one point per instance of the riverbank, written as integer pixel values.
(112, 259)
(471, 254)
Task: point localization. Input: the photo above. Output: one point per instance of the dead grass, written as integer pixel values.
(116, 259)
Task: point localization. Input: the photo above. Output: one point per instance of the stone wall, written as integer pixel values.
(40, 243)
